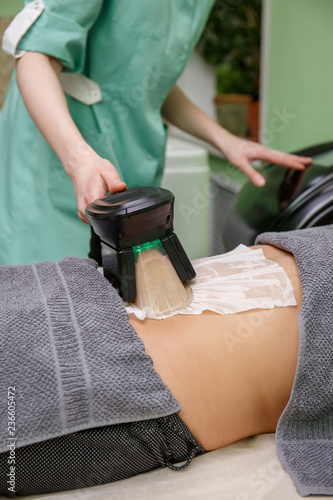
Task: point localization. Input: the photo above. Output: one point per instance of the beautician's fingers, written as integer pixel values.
(241, 152)
(94, 180)
(101, 184)
(255, 151)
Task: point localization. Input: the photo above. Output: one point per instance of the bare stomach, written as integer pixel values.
(231, 374)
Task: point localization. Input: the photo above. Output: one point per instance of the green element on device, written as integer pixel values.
(149, 245)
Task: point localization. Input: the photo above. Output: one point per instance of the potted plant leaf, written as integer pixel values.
(231, 42)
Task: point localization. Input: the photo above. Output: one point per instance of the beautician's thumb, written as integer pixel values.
(255, 177)
(113, 181)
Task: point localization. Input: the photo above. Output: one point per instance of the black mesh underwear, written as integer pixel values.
(98, 456)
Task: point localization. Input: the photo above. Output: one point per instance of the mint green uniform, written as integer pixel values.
(135, 50)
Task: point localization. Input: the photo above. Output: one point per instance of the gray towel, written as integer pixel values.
(305, 431)
(69, 351)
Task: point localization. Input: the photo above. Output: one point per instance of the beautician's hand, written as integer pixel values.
(93, 177)
(241, 152)
(184, 114)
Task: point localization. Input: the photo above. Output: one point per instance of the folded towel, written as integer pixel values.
(70, 359)
(305, 430)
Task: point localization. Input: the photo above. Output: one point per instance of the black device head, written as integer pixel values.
(132, 217)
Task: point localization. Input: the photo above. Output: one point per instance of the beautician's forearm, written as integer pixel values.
(92, 176)
(38, 82)
(181, 112)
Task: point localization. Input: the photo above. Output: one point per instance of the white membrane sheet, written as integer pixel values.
(240, 280)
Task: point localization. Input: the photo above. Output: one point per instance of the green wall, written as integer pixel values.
(10, 7)
(297, 73)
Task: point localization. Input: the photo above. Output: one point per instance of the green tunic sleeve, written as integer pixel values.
(62, 31)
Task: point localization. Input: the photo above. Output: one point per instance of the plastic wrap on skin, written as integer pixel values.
(237, 281)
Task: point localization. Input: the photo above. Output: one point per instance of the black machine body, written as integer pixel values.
(131, 218)
(291, 199)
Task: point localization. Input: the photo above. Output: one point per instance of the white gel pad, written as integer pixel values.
(236, 281)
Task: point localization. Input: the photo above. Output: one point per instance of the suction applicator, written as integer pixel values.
(141, 255)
